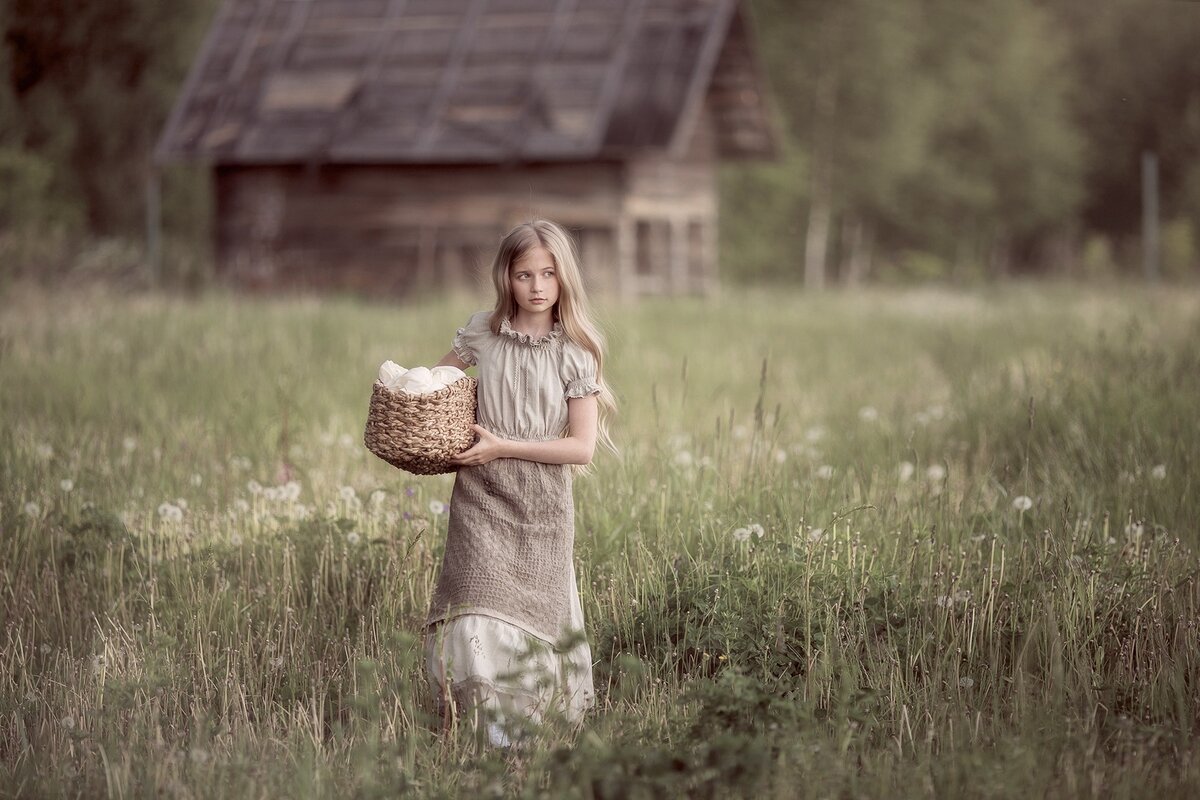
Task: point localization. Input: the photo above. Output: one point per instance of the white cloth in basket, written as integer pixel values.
(418, 380)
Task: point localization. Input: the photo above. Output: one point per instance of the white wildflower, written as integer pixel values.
(353, 538)
(67, 484)
(907, 468)
(756, 529)
(936, 472)
(254, 487)
(32, 509)
(437, 507)
(170, 512)
(1022, 503)
(1159, 472)
(741, 534)
(291, 491)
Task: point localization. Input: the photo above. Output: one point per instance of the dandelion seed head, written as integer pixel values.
(436, 507)
(936, 472)
(66, 484)
(353, 538)
(907, 468)
(825, 471)
(756, 529)
(347, 493)
(68, 722)
(966, 681)
(254, 487)
(170, 512)
(1159, 472)
(1022, 503)
(197, 479)
(741, 534)
(129, 443)
(32, 509)
(816, 534)
(684, 458)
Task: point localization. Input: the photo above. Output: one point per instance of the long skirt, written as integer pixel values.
(491, 668)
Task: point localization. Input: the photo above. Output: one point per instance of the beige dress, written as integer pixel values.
(494, 648)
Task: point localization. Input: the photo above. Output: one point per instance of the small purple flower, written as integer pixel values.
(410, 491)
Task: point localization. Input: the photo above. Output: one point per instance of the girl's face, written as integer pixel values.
(533, 279)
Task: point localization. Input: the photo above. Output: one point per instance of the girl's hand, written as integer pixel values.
(488, 448)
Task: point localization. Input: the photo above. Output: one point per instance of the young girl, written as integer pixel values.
(504, 631)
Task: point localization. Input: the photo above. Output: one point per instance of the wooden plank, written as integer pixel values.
(616, 72)
(701, 77)
(166, 143)
(462, 47)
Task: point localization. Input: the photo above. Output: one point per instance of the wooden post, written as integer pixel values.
(154, 223)
(1150, 215)
(677, 249)
(626, 257)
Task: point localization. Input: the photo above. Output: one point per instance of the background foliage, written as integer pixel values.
(920, 138)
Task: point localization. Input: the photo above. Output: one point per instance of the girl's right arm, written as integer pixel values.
(451, 359)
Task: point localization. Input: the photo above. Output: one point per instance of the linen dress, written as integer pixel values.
(483, 657)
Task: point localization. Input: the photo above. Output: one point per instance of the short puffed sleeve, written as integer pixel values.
(578, 371)
(470, 337)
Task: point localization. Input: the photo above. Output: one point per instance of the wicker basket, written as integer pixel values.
(420, 433)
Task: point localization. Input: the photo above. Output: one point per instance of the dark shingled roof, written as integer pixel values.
(453, 81)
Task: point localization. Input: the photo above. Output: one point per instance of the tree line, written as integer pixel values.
(918, 138)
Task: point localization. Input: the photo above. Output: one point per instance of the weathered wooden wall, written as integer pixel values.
(393, 229)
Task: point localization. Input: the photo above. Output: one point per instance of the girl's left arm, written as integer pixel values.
(577, 447)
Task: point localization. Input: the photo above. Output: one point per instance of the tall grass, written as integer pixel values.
(878, 544)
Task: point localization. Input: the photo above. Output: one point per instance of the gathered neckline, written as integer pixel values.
(506, 328)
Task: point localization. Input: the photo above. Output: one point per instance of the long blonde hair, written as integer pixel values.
(572, 311)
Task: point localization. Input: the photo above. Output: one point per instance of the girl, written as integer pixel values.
(504, 631)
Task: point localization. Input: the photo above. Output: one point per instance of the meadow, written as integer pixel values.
(884, 543)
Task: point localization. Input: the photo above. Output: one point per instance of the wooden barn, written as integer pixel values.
(383, 145)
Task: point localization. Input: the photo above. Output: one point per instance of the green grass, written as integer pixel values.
(902, 626)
